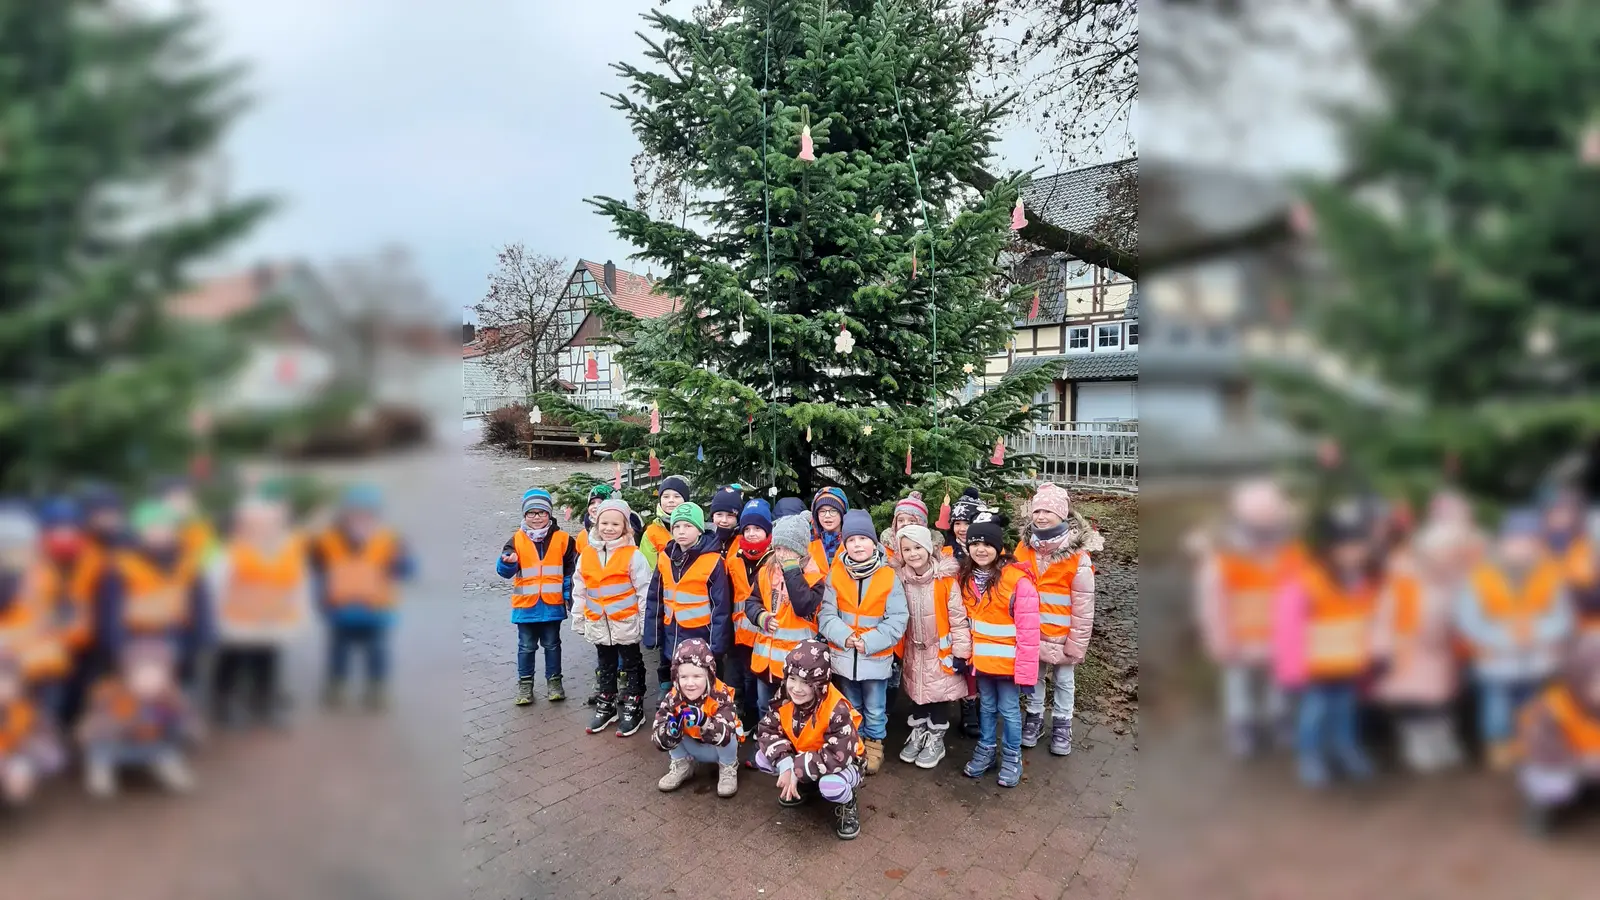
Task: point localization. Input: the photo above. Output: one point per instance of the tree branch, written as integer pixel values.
(1082, 246)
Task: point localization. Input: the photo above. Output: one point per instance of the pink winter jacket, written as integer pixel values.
(1291, 610)
(1070, 650)
(1025, 614)
(924, 680)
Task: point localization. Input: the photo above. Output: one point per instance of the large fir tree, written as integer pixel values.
(747, 376)
(101, 109)
(1469, 293)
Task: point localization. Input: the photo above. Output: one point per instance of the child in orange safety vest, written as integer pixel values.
(746, 557)
(261, 596)
(29, 629)
(155, 588)
(698, 721)
(670, 494)
(1559, 736)
(783, 607)
(30, 748)
(539, 560)
(690, 595)
(810, 738)
(1003, 616)
(608, 591)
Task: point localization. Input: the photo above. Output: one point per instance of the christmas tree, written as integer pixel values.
(839, 285)
(1465, 288)
(104, 113)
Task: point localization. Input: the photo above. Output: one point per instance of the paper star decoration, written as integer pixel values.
(866, 429)
(535, 416)
(740, 336)
(1589, 151)
(966, 369)
(844, 342)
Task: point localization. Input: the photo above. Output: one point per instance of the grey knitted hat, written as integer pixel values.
(18, 528)
(793, 533)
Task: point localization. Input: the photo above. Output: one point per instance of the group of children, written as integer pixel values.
(123, 631)
(1378, 612)
(815, 619)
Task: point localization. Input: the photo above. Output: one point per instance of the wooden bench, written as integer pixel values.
(558, 438)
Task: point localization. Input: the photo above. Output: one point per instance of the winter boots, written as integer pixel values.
(557, 692)
(678, 771)
(970, 726)
(632, 716)
(1032, 728)
(932, 747)
(914, 744)
(849, 820)
(333, 695)
(727, 780)
(981, 762)
(1010, 767)
(524, 691)
(605, 712)
(874, 756)
(599, 678)
(1061, 737)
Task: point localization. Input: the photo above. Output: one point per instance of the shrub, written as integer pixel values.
(504, 426)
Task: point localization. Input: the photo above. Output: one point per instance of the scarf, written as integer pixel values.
(865, 568)
(1051, 539)
(831, 540)
(754, 552)
(536, 534)
(981, 578)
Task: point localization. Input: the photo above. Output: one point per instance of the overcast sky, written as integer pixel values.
(457, 127)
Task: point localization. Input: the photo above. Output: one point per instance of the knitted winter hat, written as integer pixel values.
(789, 506)
(988, 528)
(809, 662)
(603, 491)
(830, 496)
(1521, 523)
(619, 505)
(793, 533)
(60, 512)
(537, 499)
(756, 513)
(18, 529)
(695, 652)
(364, 497)
(858, 523)
(919, 535)
(967, 506)
(98, 497)
(1052, 498)
(152, 514)
(691, 513)
(726, 499)
(674, 483)
(912, 506)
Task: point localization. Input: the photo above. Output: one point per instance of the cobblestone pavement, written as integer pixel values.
(552, 812)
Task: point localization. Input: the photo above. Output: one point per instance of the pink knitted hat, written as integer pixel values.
(1052, 499)
(913, 506)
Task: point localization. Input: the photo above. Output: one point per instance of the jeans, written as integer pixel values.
(723, 754)
(837, 787)
(371, 639)
(870, 698)
(936, 715)
(998, 698)
(115, 754)
(765, 691)
(530, 637)
(1251, 697)
(625, 658)
(1066, 682)
(1498, 704)
(1329, 720)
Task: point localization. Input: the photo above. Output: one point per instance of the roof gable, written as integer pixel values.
(634, 293)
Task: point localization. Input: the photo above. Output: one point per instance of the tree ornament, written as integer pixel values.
(866, 430)
(1589, 149)
(655, 418)
(655, 465)
(616, 478)
(700, 453)
(591, 371)
(1033, 313)
(1019, 220)
(740, 336)
(966, 369)
(1301, 220)
(944, 513)
(535, 416)
(999, 456)
(913, 260)
(1541, 341)
(807, 152)
(567, 511)
(877, 216)
(1027, 408)
(908, 460)
(808, 434)
(1033, 473)
(845, 341)
(772, 491)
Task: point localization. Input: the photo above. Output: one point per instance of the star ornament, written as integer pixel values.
(844, 342)
(866, 429)
(966, 369)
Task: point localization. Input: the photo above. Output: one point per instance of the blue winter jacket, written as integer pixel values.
(404, 568)
(719, 634)
(110, 596)
(541, 612)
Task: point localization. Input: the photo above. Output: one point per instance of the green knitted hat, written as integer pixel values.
(691, 513)
(152, 514)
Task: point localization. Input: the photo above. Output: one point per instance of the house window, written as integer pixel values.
(1108, 336)
(1133, 334)
(1078, 338)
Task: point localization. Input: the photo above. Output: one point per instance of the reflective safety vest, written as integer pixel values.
(198, 539)
(16, 726)
(993, 622)
(819, 555)
(1338, 625)
(687, 601)
(1578, 563)
(811, 738)
(1249, 585)
(1055, 590)
(772, 649)
(658, 536)
(744, 632)
(155, 601)
(709, 707)
(359, 578)
(540, 579)
(74, 598)
(582, 540)
(609, 587)
(261, 590)
(1520, 609)
(1578, 726)
(943, 590)
(27, 630)
(862, 612)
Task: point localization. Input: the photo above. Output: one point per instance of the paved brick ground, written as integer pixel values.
(552, 812)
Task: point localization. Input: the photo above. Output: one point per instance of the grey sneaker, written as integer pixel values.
(727, 780)
(913, 748)
(100, 779)
(174, 774)
(678, 771)
(1061, 737)
(932, 750)
(1032, 727)
(524, 691)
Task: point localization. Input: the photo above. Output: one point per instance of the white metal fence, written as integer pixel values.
(1092, 454)
(478, 407)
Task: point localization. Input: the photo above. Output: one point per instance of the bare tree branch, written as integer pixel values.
(532, 317)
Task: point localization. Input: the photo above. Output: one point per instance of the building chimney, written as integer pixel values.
(262, 276)
(468, 331)
(611, 277)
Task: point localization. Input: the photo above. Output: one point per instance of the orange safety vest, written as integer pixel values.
(540, 578)
(74, 599)
(771, 650)
(862, 613)
(810, 739)
(16, 725)
(1580, 728)
(359, 578)
(197, 537)
(942, 589)
(708, 708)
(993, 622)
(1578, 563)
(819, 555)
(1055, 590)
(261, 589)
(28, 628)
(154, 600)
(1338, 626)
(1521, 608)
(688, 600)
(744, 632)
(658, 536)
(582, 540)
(609, 587)
(1248, 587)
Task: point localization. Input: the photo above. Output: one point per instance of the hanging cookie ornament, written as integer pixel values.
(535, 416)
(1033, 312)
(866, 430)
(591, 371)
(844, 342)
(808, 434)
(655, 465)
(655, 418)
(1301, 220)
(807, 151)
(1019, 220)
(598, 439)
(908, 460)
(1589, 148)
(700, 453)
(999, 456)
(966, 369)
(740, 336)
(616, 477)
(944, 513)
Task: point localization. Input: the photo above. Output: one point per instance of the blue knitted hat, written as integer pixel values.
(537, 498)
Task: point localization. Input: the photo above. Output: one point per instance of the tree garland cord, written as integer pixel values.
(933, 286)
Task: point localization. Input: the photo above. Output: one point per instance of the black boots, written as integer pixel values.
(970, 725)
(849, 820)
(605, 712)
(632, 716)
